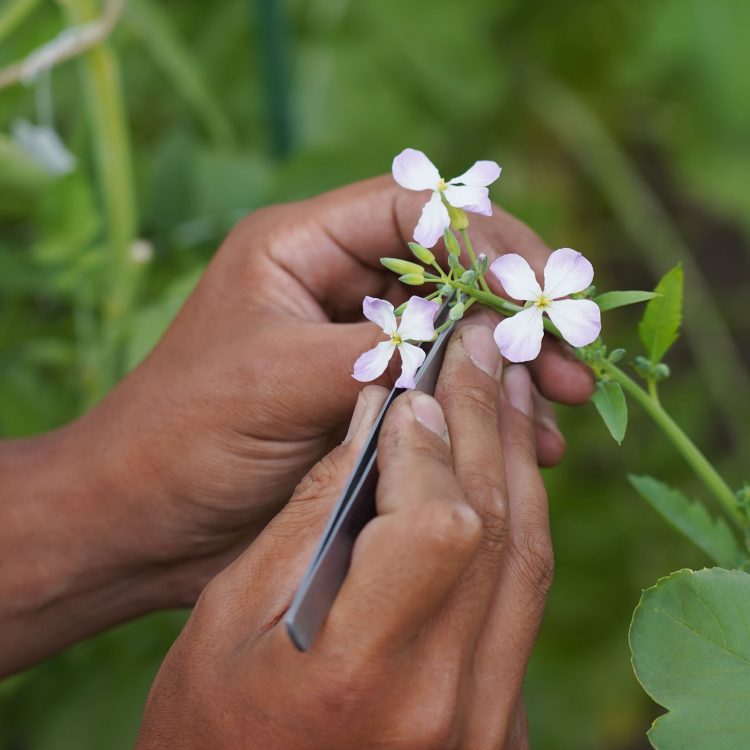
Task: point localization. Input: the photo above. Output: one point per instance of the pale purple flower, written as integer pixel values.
(519, 337)
(416, 325)
(414, 171)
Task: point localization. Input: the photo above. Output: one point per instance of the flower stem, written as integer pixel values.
(473, 257)
(696, 460)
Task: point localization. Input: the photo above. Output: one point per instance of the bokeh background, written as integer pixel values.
(623, 131)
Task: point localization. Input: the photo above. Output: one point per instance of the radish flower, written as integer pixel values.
(414, 171)
(519, 337)
(416, 325)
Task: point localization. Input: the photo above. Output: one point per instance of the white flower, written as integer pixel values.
(414, 171)
(519, 337)
(416, 325)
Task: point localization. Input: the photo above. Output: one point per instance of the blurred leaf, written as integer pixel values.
(690, 643)
(692, 519)
(612, 300)
(610, 402)
(660, 325)
(22, 180)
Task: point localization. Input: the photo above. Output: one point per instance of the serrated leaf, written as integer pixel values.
(690, 645)
(612, 300)
(660, 325)
(610, 402)
(691, 519)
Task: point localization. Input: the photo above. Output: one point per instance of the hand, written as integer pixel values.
(427, 643)
(252, 383)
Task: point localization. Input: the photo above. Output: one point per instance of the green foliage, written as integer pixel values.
(612, 300)
(691, 519)
(660, 325)
(610, 402)
(690, 643)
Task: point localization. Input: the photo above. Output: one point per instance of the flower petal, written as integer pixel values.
(566, 272)
(482, 173)
(470, 198)
(519, 337)
(373, 362)
(380, 312)
(432, 223)
(411, 358)
(578, 320)
(417, 322)
(516, 276)
(414, 171)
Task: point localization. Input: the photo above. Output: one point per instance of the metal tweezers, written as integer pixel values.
(354, 508)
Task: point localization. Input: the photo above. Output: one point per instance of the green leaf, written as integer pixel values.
(691, 519)
(660, 325)
(690, 645)
(611, 300)
(609, 401)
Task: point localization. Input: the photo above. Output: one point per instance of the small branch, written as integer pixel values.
(69, 43)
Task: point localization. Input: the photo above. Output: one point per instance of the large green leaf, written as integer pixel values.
(692, 519)
(690, 645)
(611, 300)
(660, 325)
(610, 402)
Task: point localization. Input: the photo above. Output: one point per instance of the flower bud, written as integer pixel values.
(400, 309)
(457, 311)
(412, 279)
(446, 290)
(661, 372)
(451, 242)
(483, 263)
(616, 355)
(402, 266)
(468, 277)
(455, 264)
(422, 253)
(459, 219)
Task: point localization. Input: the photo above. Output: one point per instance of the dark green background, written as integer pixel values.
(623, 131)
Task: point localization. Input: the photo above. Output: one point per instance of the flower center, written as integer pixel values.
(396, 340)
(542, 302)
(442, 185)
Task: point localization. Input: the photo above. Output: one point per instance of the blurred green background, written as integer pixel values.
(623, 131)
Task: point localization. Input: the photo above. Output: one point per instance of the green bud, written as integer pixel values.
(617, 355)
(483, 263)
(422, 253)
(400, 309)
(451, 242)
(446, 290)
(643, 366)
(402, 266)
(459, 219)
(661, 372)
(468, 277)
(412, 279)
(457, 311)
(455, 263)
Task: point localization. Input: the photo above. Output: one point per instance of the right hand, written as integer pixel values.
(427, 642)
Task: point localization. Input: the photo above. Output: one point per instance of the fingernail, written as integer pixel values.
(482, 349)
(517, 385)
(427, 411)
(546, 423)
(356, 421)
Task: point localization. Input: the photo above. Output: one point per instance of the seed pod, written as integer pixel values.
(451, 242)
(402, 266)
(459, 219)
(412, 279)
(422, 253)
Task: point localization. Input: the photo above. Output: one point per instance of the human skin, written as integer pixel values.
(426, 645)
(139, 503)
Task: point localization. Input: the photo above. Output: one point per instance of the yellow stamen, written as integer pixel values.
(442, 185)
(542, 302)
(396, 340)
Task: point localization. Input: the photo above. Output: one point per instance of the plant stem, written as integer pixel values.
(108, 129)
(473, 257)
(685, 446)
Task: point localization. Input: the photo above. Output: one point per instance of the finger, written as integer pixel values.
(550, 443)
(282, 552)
(468, 389)
(408, 559)
(559, 375)
(515, 613)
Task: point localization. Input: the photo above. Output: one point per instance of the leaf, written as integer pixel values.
(690, 646)
(691, 518)
(611, 300)
(660, 325)
(610, 402)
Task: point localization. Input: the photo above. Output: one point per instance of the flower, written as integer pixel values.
(414, 171)
(416, 325)
(519, 337)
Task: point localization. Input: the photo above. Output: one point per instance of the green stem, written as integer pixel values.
(108, 128)
(697, 461)
(14, 14)
(473, 257)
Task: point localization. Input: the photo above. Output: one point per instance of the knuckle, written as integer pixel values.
(324, 476)
(449, 526)
(534, 561)
(478, 400)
